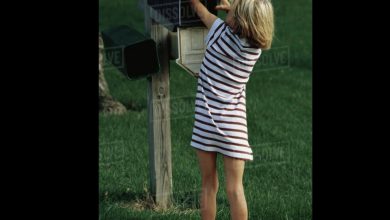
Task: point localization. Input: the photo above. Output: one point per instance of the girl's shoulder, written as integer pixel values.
(215, 30)
(244, 42)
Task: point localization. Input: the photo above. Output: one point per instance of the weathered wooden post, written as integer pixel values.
(159, 124)
(162, 16)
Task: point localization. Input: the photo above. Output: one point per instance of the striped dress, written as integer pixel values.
(220, 111)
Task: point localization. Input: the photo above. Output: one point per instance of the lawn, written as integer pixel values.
(279, 105)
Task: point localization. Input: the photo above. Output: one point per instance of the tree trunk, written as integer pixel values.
(107, 104)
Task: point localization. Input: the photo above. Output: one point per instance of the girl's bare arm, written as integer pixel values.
(204, 14)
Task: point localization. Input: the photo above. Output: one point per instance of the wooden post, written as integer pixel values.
(159, 124)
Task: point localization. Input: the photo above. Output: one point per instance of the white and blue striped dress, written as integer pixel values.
(220, 109)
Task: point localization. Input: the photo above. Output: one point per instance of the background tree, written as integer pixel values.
(107, 103)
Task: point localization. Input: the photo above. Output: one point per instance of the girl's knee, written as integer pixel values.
(210, 183)
(234, 191)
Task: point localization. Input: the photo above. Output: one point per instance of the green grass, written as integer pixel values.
(277, 183)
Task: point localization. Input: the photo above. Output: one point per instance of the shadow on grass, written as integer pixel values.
(135, 106)
(185, 202)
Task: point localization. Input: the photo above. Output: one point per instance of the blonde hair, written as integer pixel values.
(254, 20)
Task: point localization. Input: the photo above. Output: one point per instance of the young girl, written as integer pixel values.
(233, 47)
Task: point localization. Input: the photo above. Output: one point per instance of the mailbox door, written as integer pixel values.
(191, 48)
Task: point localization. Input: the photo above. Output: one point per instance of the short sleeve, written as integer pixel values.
(218, 23)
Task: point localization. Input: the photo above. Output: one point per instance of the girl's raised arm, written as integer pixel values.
(204, 15)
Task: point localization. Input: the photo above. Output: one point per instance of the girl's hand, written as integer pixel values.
(224, 5)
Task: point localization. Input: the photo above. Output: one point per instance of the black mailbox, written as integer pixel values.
(131, 52)
(177, 13)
